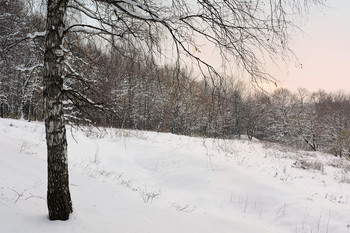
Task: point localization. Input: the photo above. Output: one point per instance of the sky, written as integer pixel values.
(323, 49)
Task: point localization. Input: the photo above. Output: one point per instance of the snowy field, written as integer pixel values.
(144, 182)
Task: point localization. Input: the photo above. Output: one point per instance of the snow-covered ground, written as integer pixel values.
(145, 182)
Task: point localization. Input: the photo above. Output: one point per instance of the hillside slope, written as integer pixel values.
(134, 181)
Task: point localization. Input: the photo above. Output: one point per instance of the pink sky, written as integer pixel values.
(323, 49)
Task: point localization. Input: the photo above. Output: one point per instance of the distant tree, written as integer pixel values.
(256, 115)
(235, 109)
(279, 116)
(333, 116)
(21, 61)
(304, 127)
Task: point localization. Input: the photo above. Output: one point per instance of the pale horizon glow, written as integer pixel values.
(323, 50)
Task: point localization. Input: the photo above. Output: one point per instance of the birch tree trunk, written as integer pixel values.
(58, 195)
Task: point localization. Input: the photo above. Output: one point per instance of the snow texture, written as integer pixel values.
(36, 34)
(135, 181)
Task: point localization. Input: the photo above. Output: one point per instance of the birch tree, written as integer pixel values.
(242, 31)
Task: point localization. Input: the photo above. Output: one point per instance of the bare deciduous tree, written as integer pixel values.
(242, 31)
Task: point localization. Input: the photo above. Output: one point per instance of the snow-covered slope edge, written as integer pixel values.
(134, 181)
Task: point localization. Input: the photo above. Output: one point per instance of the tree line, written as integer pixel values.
(121, 87)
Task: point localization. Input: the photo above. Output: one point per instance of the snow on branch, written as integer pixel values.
(86, 29)
(71, 69)
(22, 68)
(28, 36)
(35, 35)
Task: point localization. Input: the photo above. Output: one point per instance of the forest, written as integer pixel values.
(121, 87)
